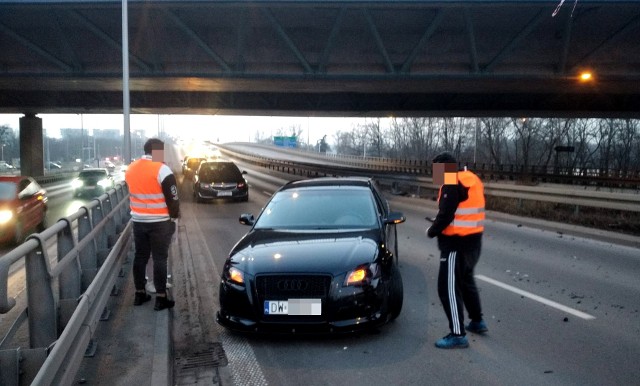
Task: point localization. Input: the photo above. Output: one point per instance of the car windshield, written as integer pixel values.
(93, 174)
(320, 208)
(7, 190)
(219, 171)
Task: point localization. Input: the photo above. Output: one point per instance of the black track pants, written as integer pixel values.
(152, 240)
(457, 287)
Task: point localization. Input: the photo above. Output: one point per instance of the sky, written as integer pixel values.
(217, 128)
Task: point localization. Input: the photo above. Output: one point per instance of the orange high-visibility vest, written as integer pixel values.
(469, 217)
(146, 199)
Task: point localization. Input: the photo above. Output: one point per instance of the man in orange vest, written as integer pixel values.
(458, 225)
(154, 203)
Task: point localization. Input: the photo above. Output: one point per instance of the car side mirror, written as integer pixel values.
(244, 172)
(395, 218)
(246, 219)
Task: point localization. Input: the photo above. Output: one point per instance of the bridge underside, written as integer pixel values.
(343, 58)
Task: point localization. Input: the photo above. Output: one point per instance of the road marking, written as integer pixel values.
(537, 298)
(243, 365)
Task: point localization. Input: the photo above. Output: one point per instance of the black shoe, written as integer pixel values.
(479, 327)
(141, 297)
(162, 302)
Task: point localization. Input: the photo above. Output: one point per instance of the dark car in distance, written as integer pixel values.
(190, 166)
(23, 208)
(92, 182)
(220, 179)
(322, 256)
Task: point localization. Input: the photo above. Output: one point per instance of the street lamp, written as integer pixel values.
(3, 145)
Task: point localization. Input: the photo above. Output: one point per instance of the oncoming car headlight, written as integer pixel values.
(105, 183)
(5, 216)
(76, 183)
(362, 275)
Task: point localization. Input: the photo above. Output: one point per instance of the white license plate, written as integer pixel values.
(293, 307)
(225, 193)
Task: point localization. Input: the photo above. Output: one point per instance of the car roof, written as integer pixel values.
(330, 181)
(94, 170)
(218, 161)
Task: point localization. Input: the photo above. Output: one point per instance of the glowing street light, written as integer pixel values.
(586, 76)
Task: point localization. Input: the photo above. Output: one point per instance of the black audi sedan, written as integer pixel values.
(322, 256)
(220, 179)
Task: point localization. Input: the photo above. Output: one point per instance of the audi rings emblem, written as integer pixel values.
(292, 285)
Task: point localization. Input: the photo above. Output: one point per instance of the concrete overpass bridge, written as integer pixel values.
(331, 58)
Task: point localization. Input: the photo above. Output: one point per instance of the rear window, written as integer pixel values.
(219, 171)
(193, 163)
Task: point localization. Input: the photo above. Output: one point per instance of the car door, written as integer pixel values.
(390, 230)
(30, 205)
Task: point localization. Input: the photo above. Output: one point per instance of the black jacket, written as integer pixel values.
(451, 196)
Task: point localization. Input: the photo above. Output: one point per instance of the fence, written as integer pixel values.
(66, 293)
(413, 179)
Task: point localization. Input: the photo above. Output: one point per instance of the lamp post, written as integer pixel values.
(3, 145)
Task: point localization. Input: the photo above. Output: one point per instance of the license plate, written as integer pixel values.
(293, 307)
(225, 193)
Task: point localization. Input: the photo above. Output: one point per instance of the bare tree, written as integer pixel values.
(345, 143)
(526, 130)
(605, 135)
(626, 137)
(552, 132)
(373, 136)
(493, 136)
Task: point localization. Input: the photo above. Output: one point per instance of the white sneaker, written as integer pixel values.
(150, 288)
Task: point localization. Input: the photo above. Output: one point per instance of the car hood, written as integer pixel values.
(268, 251)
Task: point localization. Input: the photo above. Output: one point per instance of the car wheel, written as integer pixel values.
(396, 293)
(43, 224)
(18, 235)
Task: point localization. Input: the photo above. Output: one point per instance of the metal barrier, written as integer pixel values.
(66, 297)
(422, 186)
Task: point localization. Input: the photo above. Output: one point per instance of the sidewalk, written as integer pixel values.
(133, 346)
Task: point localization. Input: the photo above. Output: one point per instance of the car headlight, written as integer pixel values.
(105, 183)
(235, 275)
(204, 185)
(76, 183)
(362, 275)
(5, 216)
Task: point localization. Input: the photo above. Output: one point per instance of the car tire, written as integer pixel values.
(18, 235)
(396, 293)
(43, 224)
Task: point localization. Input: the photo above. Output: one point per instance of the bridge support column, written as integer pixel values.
(31, 146)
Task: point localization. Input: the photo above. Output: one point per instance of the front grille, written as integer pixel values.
(284, 287)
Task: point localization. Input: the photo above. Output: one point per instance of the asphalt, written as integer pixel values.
(134, 345)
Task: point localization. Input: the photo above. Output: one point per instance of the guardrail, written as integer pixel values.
(66, 295)
(408, 182)
(629, 179)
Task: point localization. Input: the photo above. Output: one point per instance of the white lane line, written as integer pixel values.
(243, 364)
(537, 298)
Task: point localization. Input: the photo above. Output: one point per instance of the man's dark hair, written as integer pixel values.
(153, 144)
(445, 158)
